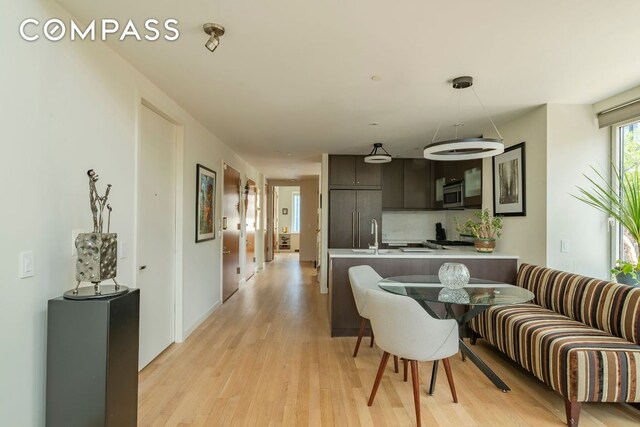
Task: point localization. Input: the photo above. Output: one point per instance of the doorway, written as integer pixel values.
(250, 233)
(230, 232)
(288, 218)
(156, 233)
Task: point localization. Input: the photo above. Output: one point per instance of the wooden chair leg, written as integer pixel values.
(395, 364)
(383, 365)
(452, 386)
(416, 389)
(572, 409)
(371, 345)
(405, 362)
(363, 325)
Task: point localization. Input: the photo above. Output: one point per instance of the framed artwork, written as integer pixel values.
(285, 211)
(509, 186)
(205, 203)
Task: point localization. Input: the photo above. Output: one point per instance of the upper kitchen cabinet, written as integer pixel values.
(353, 172)
(418, 184)
(393, 184)
(472, 175)
(407, 184)
(469, 171)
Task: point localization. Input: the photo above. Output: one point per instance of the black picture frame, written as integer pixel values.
(205, 203)
(510, 200)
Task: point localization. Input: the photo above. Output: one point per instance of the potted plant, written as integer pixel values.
(619, 199)
(626, 272)
(485, 230)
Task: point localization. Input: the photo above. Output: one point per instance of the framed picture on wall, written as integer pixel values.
(509, 186)
(205, 203)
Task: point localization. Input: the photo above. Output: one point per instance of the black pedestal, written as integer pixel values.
(92, 362)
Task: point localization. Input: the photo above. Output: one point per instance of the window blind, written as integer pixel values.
(622, 113)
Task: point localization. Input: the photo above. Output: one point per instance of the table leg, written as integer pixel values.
(495, 379)
(434, 376)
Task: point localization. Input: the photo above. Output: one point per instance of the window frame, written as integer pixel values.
(295, 212)
(615, 228)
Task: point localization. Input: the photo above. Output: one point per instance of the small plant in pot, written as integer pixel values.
(626, 272)
(485, 230)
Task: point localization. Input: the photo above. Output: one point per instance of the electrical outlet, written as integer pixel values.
(27, 264)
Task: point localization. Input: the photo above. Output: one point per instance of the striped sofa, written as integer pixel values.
(581, 336)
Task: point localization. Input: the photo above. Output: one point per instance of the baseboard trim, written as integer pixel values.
(200, 320)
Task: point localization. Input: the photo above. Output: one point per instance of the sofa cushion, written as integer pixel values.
(610, 307)
(582, 363)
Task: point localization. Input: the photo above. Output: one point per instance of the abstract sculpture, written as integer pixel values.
(97, 252)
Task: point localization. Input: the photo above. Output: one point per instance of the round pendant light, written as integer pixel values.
(376, 156)
(465, 148)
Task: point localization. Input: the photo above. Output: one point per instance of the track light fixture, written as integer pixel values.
(215, 31)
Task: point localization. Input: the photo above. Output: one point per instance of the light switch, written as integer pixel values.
(564, 246)
(121, 250)
(27, 264)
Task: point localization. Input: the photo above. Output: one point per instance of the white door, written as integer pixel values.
(156, 234)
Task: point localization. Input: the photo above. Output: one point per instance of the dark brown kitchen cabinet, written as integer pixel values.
(350, 215)
(393, 184)
(352, 171)
(417, 185)
(439, 181)
(472, 175)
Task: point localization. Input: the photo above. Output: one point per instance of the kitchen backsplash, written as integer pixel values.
(416, 226)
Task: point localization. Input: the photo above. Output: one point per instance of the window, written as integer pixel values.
(627, 149)
(295, 213)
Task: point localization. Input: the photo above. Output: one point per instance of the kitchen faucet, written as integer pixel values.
(374, 231)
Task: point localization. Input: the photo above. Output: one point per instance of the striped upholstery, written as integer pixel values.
(610, 307)
(582, 363)
(580, 335)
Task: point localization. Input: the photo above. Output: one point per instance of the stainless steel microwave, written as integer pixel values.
(453, 195)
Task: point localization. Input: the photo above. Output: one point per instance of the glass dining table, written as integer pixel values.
(474, 298)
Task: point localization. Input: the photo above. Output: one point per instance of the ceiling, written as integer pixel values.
(291, 79)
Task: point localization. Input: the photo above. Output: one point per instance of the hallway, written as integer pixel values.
(266, 358)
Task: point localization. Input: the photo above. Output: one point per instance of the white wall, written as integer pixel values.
(285, 198)
(308, 218)
(525, 236)
(68, 107)
(324, 226)
(574, 143)
(561, 142)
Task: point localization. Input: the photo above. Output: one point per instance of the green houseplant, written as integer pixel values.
(619, 199)
(485, 229)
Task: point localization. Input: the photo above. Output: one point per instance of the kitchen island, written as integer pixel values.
(343, 314)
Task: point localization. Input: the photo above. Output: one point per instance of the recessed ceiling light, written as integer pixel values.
(373, 123)
(376, 78)
(289, 154)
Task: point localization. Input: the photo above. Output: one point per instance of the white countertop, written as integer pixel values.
(452, 252)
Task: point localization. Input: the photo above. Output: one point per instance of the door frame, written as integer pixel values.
(244, 224)
(241, 245)
(143, 102)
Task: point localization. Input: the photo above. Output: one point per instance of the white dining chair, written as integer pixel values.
(405, 329)
(364, 279)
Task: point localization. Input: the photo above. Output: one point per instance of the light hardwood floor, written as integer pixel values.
(265, 358)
